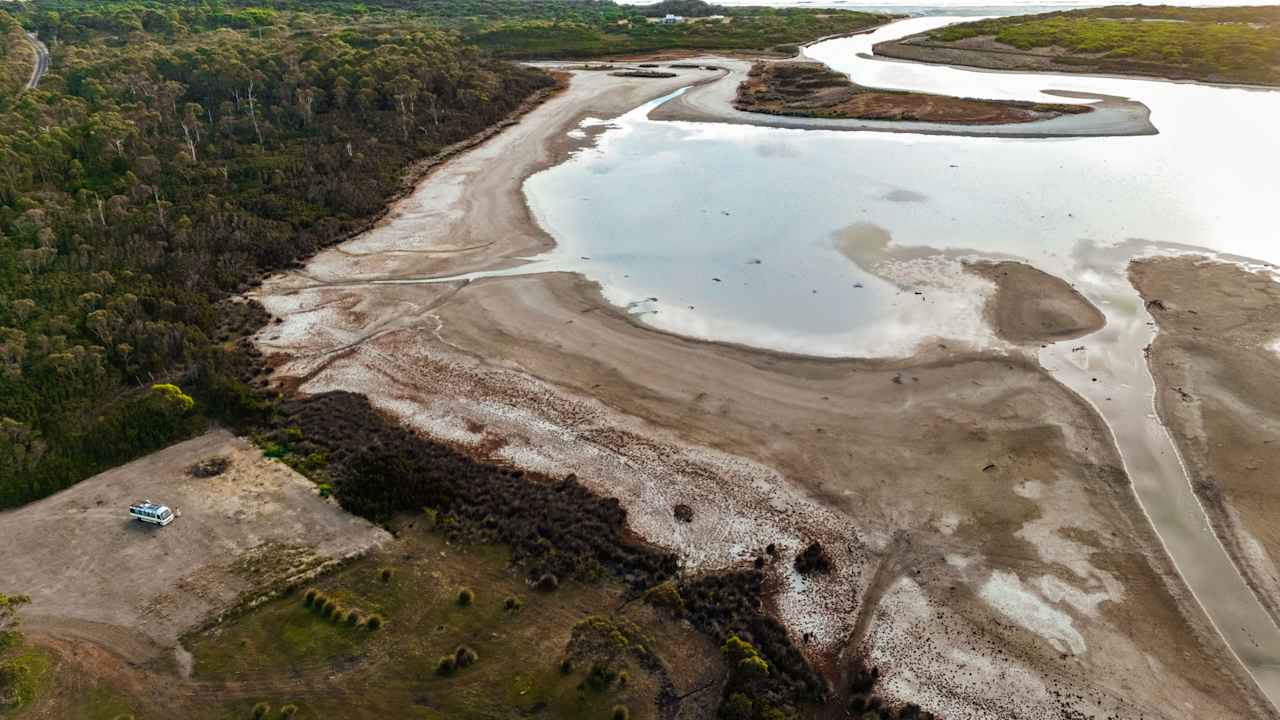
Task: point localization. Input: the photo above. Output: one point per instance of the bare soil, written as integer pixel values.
(987, 551)
(1032, 306)
(810, 89)
(96, 575)
(1216, 362)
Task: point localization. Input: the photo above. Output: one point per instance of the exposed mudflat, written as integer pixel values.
(1216, 362)
(1032, 306)
(989, 554)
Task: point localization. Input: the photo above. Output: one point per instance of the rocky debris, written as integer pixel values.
(210, 467)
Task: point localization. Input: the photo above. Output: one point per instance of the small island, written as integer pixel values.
(1223, 45)
(811, 89)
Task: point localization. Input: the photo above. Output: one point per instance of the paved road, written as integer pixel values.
(42, 61)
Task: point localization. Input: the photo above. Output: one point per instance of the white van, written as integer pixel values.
(150, 512)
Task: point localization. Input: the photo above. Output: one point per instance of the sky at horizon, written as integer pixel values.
(941, 6)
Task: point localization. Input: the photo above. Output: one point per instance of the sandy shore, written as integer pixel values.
(990, 557)
(1216, 361)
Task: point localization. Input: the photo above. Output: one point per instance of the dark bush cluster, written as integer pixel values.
(729, 605)
(813, 560)
(555, 527)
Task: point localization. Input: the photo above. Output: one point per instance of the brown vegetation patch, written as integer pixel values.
(809, 89)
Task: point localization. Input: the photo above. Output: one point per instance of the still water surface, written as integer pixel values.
(847, 244)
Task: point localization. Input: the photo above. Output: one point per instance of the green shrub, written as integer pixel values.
(260, 710)
(512, 603)
(310, 597)
(620, 712)
(374, 622)
(319, 601)
(446, 665)
(601, 677)
(338, 613)
(666, 595)
(288, 711)
(386, 575)
(353, 617)
(743, 657)
(329, 607)
(464, 657)
(466, 597)
(623, 678)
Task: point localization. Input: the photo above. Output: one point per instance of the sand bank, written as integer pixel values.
(989, 554)
(1032, 306)
(1216, 367)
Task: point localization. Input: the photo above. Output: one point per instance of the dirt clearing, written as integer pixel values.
(93, 573)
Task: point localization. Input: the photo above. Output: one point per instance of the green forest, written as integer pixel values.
(1240, 43)
(175, 152)
(167, 160)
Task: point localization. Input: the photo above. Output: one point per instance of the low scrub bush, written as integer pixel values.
(464, 657)
(260, 711)
(620, 712)
(513, 603)
(466, 597)
(374, 622)
(446, 666)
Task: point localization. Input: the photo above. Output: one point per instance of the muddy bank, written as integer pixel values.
(1032, 306)
(811, 89)
(1216, 362)
(985, 549)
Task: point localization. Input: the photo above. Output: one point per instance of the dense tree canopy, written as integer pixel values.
(157, 171)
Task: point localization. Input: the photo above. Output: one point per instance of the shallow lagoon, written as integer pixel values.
(744, 223)
(849, 244)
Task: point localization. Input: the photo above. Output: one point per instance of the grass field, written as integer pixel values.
(1240, 44)
(332, 669)
(283, 653)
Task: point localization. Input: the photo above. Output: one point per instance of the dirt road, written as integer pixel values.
(41, 65)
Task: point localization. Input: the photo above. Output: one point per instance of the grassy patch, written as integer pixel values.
(1231, 43)
(510, 661)
(24, 677)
